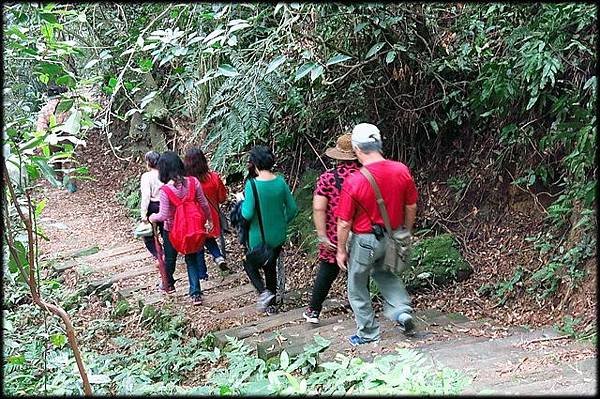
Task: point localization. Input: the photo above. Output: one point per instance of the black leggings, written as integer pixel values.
(323, 281)
(270, 274)
(149, 241)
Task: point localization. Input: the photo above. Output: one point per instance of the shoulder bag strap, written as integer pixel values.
(380, 202)
(257, 207)
(336, 176)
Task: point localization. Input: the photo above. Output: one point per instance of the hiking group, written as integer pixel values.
(364, 210)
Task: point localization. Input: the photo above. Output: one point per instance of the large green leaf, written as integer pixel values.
(46, 170)
(277, 61)
(227, 70)
(304, 70)
(373, 50)
(316, 72)
(336, 59)
(73, 124)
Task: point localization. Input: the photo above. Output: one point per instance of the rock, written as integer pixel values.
(435, 261)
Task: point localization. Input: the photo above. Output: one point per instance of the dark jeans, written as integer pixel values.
(213, 248)
(149, 241)
(191, 260)
(323, 281)
(270, 270)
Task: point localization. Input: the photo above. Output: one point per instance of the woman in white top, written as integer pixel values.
(150, 187)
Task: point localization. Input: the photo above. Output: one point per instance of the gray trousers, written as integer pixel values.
(366, 260)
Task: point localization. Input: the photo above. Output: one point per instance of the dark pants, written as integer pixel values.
(149, 241)
(191, 260)
(213, 248)
(270, 270)
(323, 281)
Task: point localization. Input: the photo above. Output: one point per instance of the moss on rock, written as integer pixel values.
(435, 261)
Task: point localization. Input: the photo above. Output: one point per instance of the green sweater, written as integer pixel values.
(277, 207)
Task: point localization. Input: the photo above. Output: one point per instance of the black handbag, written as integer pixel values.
(263, 253)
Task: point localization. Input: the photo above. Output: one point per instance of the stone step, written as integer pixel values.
(249, 310)
(183, 287)
(565, 379)
(114, 251)
(255, 328)
(226, 296)
(180, 275)
(109, 281)
(140, 254)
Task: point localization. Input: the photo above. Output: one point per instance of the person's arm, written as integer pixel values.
(410, 209)
(410, 214)
(203, 202)
(164, 210)
(343, 231)
(319, 219)
(291, 209)
(144, 197)
(248, 204)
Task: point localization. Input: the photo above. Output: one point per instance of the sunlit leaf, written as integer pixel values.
(277, 61)
(227, 70)
(316, 72)
(336, 59)
(304, 70)
(373, 50)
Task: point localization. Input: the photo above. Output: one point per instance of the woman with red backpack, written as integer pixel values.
(216, 193)
(187, 219)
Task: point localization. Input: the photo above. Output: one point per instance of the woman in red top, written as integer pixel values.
(216, 193)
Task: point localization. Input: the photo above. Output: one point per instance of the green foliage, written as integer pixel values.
(435, 261)
(130, 196)
(504, 289)
(570, 326)
(302, 229)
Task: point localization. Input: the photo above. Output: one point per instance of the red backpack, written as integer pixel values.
(187, 234)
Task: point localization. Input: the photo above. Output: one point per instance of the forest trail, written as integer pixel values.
(98, 250)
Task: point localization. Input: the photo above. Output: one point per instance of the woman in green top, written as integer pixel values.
(277, 208)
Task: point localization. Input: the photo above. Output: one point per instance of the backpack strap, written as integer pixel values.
(171, 194)
(380, 202)
(191, 188)
(257, 207)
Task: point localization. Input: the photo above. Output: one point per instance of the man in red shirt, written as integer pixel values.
(358, 212)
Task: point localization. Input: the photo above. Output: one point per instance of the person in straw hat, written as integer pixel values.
(325, 200)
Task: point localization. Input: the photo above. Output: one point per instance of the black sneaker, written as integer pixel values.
(264, 299)
(196, 300)
(311, 316)
(271, 310)
(406, 324)
(222, 264)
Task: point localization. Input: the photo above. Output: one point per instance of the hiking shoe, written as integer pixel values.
(271, 310)
(311, 316)
(222, 263)
(264, 299)
(168, 290)
(406, 324)
(355, 340)
(196, 300)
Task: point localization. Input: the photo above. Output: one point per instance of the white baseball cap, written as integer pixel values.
(365, 133)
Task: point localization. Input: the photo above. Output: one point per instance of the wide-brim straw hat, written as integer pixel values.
(343, 149)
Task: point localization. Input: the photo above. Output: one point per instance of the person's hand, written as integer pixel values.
(145, 219)
(239, 196)
(327, 244)
(342, 260)
(209, 225)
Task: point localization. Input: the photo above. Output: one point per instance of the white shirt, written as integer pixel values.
(150, 186)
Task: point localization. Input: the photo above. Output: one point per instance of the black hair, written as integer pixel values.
(55, 90)
(170, 167)
(151, 158)
(262, 158)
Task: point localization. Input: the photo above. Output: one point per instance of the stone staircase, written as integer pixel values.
(501, 360)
